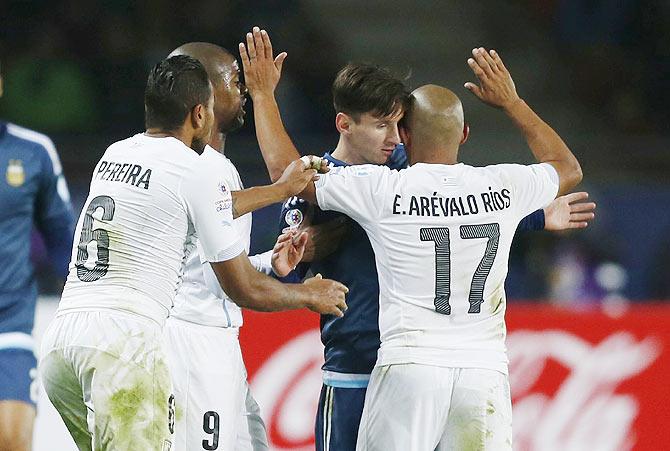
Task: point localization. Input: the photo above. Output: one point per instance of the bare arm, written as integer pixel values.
(497, 89)
(261, 73)
(291, 182)
(254, 290)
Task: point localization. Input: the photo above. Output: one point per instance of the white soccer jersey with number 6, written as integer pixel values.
(149, 198)
(441, 236)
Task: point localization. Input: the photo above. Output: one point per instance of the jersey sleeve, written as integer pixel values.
(532, 222)
(356, 191)
(54, 217)
(533, 186)
(208, 200)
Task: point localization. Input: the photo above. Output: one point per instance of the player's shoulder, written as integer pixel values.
(36, 142)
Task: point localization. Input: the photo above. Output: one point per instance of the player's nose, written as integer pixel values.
(393, 136)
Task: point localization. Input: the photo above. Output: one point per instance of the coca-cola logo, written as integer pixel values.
(564, 390)
(287, 388)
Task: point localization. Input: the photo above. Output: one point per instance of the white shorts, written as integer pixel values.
(105, 373)
(422, 407)
(214, 407)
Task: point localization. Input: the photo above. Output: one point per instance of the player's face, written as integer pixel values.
(373, 138)
(229, 98)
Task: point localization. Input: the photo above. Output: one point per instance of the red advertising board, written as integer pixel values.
(580, 379)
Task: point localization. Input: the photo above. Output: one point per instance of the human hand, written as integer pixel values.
(496, 87)
(326, 296)
(288, 251)
(261, 70)
(295, 178)
(569, 212)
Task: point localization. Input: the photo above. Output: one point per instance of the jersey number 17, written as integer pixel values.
(440, 236)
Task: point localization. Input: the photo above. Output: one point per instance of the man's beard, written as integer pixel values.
(233, 124)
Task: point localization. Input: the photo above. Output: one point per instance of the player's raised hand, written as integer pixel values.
(288, 251)
(261, 70)
(569, 212)
(327, 297)
(496, 87)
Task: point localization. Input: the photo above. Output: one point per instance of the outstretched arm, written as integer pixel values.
(293, 180)
(497, 89)
(261, 74)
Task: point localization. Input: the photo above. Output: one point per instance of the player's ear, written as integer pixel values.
(198, 116)
(343, 122)
(466, 133)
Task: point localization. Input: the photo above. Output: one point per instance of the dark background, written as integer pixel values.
(598, 71)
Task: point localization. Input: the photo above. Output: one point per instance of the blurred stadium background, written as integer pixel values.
(596, 70)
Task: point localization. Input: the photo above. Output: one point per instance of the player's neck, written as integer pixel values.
(218, 142)
(434, 156)
(179, 134)
(344, 153)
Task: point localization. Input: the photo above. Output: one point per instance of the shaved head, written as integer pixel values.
(224, 73)
(434, 118)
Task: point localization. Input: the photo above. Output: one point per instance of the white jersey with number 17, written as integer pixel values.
(149, 199)
(441, 236)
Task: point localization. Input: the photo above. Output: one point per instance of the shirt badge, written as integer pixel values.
(293, 217)
(15, 173)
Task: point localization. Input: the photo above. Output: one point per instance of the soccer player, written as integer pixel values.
(454, 219)
(32, 191)
(368, 102)
(151, 195)
(202, 345)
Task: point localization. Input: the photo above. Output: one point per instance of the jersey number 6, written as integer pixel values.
(101, 238)
(440, 236)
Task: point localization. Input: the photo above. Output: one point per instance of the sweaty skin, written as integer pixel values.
(435, 119)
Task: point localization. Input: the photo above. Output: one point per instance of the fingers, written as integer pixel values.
(473, 88)
(582, 207)
(576, 197)
(279, 61)
(498, 61)
(260, 45)
(251, 46)
(267, 45)
(244, 56)
(480, 57)
(579, 217)
(476, 68)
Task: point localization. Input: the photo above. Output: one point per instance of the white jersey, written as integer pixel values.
(200, 298)
(441, 236)
(148, 199)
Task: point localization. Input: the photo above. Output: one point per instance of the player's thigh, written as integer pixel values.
(338, 417)
(131, 404)
(66, 394)
(252, 434)
(209, 383)
(480, 417)
(17, 398)
(405, 407)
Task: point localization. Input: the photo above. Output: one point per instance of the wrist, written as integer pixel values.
(513, 106)
(265, 95)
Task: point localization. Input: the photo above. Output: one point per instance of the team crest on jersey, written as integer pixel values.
(293, 217)
(15, 176)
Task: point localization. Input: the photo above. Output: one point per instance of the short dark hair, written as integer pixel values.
(175, 85)
(365, 88)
